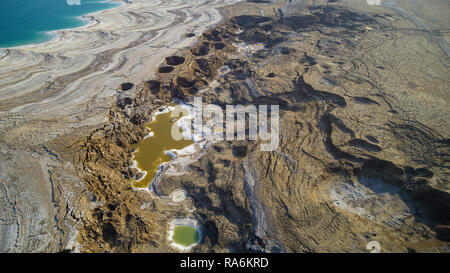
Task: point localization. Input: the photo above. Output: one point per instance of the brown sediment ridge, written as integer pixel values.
(353, 164)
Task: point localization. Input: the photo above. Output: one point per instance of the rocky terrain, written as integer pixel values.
(65, 87)
(362, 157)
(364, 144)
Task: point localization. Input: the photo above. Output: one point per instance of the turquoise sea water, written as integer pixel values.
(28, 21)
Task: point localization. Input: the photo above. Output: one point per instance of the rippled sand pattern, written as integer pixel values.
(126, 43)
(65, 87)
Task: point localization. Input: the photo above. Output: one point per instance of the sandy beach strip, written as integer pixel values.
(126, 44)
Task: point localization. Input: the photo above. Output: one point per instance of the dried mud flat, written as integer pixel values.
(364, 144)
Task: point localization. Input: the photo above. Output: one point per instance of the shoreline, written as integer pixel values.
(63, 89)
(189, 222)
(55, 35)
(114, 33)
(299, 173)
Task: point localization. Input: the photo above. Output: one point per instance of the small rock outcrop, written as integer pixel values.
(126, 86)
(174, 60)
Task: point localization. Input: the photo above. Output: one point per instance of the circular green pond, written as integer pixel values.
(185, 235)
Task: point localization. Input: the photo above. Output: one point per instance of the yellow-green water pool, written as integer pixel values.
(185, 235)
(150, 152)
